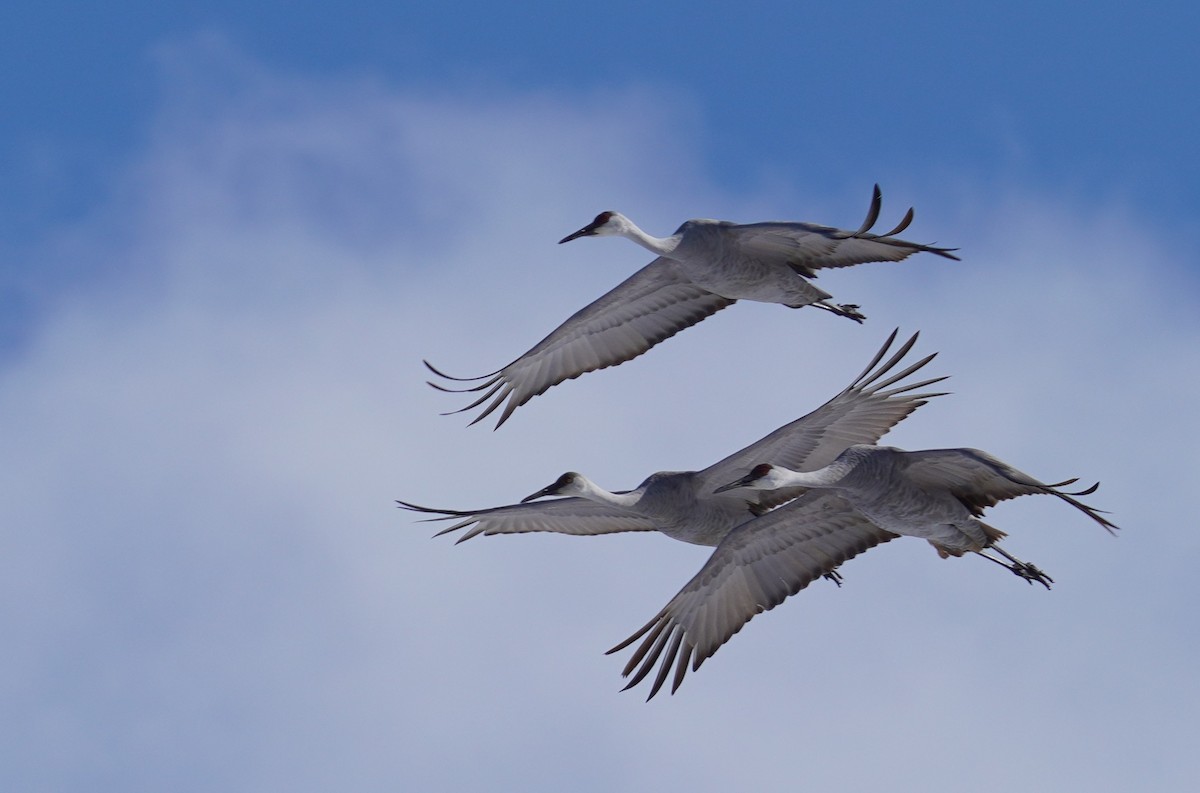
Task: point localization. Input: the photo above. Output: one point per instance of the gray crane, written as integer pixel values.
(867, 495)
(937, 494)
(703, 267)
(682, 504)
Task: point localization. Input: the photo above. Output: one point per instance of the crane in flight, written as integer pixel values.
(936, 494)
(683, 504)
(703, 267)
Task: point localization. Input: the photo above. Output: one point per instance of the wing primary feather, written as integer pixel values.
(878, 357)
(658, 638)
(449, 390)
(512, 405)
(906, 372)
(908, 218)
(495, 404)
(897, 356)
(913, 387)
(641, 632)
(1093, 513)
(872, 213)
(496, 386)
(668, 659)
(681, 667)
(440, 373)
(443, 514)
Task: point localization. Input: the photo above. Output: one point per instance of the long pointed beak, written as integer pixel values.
(586, 231)
(745, 480)
(549, 490)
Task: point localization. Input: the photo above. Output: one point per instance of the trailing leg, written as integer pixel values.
(1026, 570)
(848, 310)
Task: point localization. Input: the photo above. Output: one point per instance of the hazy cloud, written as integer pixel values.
(207, 586)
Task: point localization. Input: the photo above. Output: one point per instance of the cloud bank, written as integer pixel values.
(207, 586)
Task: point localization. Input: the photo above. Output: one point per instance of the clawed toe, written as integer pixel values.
(1031, 573)
(851, 310)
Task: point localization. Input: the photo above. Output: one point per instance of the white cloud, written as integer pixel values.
(206, 584)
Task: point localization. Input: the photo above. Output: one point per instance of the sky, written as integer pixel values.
(231, 233)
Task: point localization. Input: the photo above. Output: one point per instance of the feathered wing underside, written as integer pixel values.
(755, 568)
(808, 247)
(653, 304)
(562, 516)
(979, 480)
(871, 405)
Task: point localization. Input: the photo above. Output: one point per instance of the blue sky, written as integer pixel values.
(232, 233)
(1088, 98)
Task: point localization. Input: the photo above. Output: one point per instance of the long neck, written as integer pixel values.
(660, 245)
(829, 476)
(593, 492)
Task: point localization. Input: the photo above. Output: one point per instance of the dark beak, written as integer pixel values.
(745, 480)
(586, 231)
(549, 490)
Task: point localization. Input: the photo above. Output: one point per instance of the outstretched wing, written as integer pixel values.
(653, 304)
(862, 413)
(808, 247)
(561, 515)
(756, 567)
(979, 480)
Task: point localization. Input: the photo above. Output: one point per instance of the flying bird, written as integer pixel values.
(867, 495)
(703, 267)
(683, 504)
(937, 494)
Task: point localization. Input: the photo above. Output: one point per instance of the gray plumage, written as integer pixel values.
(936, 494)
(682, 504)
(866, 496)
(703, 267)
(755, 568)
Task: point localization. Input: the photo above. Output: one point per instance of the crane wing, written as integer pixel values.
(653, 304)
(862, 413)
(755, 568)
(808, 247)
(561, 515)
(979, 480)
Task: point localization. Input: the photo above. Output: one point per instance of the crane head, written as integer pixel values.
(605, 224)
(759, 478)
(564, 485)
